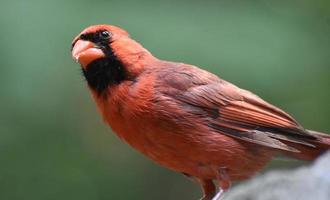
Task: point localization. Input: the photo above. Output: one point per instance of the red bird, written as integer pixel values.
(183, 117)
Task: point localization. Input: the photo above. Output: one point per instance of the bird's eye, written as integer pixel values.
(83, 36)
(105, 34)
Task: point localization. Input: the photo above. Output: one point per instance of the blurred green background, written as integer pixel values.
(53, 143)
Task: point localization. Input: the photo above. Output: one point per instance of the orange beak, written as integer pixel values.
(86, 52)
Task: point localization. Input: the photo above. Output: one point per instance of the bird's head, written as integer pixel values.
(108, 56)
(94, 43)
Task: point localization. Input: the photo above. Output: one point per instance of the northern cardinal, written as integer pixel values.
(185, 118)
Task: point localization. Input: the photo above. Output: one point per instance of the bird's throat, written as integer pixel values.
(104, 72)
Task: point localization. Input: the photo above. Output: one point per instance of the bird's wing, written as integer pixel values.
(236, 112)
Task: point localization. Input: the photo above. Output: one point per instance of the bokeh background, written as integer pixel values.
(53, 143)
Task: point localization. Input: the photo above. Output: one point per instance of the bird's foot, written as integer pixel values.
(219, 195)
(207, 197)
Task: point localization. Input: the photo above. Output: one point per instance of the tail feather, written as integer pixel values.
(321, 143)
(325, 137)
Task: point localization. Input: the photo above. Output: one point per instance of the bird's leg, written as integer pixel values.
(224, 183)
(208, 188)
(219, 195)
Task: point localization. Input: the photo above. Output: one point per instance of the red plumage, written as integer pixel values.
(183, 117)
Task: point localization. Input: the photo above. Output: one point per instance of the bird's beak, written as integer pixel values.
(86, 52)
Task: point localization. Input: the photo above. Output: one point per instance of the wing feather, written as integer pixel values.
(232, 111)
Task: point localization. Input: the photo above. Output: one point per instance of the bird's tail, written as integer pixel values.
(321, 145)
